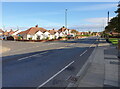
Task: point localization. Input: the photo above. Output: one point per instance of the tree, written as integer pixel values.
(118, 16)
(114, 24)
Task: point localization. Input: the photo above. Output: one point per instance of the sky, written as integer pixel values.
(82, 16)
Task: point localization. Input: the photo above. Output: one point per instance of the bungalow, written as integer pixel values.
(11, 32)
(16, 32)
(33, 33)
(73, 32)
(53, 34)
(57, 35)
(46, 34)
(63, 31)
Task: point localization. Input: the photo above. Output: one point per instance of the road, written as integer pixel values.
(46, 64)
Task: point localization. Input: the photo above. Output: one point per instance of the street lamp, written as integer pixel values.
(108, 17)
(118, 31)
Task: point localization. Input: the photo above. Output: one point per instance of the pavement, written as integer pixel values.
(48, 64)
(3, 49)
(102, 70)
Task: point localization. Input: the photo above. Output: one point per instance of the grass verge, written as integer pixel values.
(114, 41)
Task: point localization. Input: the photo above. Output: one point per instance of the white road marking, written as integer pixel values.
(86, 50)
(92, 44)
(31, 56)
(55, 75)
(72, 44)
(83, 52)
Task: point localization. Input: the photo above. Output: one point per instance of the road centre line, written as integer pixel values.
(83, 52)
(86, 50)
(55, 75)
(92, 44)
(31, 56)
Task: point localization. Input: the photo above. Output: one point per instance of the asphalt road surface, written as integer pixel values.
(48, 64)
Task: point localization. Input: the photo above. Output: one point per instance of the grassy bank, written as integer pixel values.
(114, 41)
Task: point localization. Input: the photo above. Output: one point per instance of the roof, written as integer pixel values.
(1, 31)
(11, 32)
(62, 29)
(6, 33)
(33, 30)
(79, 33)
(52, 32)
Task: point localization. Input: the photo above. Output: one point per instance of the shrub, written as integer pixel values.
(30, 38)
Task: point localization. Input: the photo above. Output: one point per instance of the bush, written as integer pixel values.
(10, 38)
(59, 37)
(19, 38)
(30, 38)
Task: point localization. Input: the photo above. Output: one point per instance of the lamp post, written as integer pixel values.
(118, 31)
(108, 14)
(108, 17)
(66, 18)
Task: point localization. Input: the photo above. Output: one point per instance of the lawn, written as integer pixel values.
(114, 40)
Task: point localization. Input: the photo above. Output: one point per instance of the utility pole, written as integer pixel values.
(108, 18)
(108, 23)
(17, 28)
(4, 27)
(66, 18)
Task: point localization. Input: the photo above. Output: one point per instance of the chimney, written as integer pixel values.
(36, 26)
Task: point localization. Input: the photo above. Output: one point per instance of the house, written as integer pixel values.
(15, 32)
(11, 32)
(33, 33)
(57, 35)
(1, 32)
(73, 32)
(53, 34)
(63, 31)
(46, 34)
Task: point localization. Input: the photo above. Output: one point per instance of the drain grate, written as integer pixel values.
(72, 79)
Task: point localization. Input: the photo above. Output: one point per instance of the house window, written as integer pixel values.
(38, 37)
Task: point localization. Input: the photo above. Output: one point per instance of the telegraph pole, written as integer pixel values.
(66, 18)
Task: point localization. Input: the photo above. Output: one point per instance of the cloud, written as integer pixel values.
(95, 24)
(42, 23)
(14, 28)
(94, 7)
(101, 20)
(88, 27)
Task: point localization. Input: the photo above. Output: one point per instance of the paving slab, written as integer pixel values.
(103, 71)
(94, 76)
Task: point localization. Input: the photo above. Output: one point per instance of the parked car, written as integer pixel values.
(70, 36)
